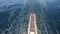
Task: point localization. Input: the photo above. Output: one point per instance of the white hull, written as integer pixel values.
(32, 28)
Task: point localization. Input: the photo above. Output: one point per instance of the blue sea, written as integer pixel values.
(13, 16)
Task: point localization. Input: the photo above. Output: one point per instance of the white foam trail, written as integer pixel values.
(22, 17)
(43, 3)
(24, 3)
(43, 19)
